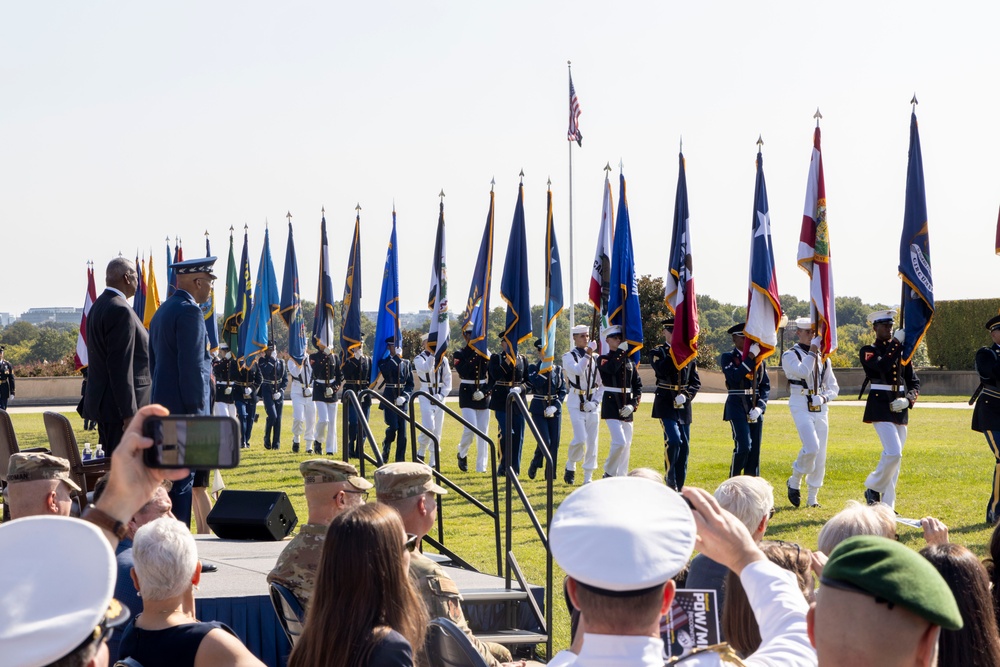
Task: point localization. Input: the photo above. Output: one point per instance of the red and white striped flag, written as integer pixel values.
(814, 255)
(574, 133)
(81, 359)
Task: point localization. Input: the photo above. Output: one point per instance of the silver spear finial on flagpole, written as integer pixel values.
(817, 116)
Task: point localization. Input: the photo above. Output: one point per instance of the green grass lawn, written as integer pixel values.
(946, 473)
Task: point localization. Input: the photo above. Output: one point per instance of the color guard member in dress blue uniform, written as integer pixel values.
(275, 375)
(986, 415)
(548, 391)
(745, 405)
(672, 406)
(622, 393)
(357, 368)
(179, 359)
(474, 401)
(397, 379)
(506, 377)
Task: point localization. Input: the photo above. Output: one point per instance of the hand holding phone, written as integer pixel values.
(197, 442)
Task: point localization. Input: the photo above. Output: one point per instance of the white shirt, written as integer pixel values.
(777, 603)
(580, 371)
(800, 364)
(431, 381)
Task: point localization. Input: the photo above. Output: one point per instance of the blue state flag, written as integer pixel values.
(915, 253)
(387, 323)
(514, 283)
(553, 291)
(322, 333)
(623, 302)
(291, 303)
(244, 302)
(477, 308)
(208, 310)
(266, 303)
(350, 327)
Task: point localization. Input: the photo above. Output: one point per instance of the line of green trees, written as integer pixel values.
(47, 349)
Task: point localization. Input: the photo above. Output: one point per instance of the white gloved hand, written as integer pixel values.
(899, 404)
(329, 392)
(401, 401)
(515, 390)
(307, 392)
(592, 346)
(899, 335)
(550, 411)
(247, 391)
(228, 391)
(590, 406)
(754, 349)
(478, 395)
(680, 400)
(626, 412)
(327, 351)
(816, 400)
(755, 414)
(817, 342)
(357, 353)
(276, 395)
(399, 351)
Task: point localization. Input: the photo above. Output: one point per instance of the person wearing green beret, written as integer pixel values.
(880, 604)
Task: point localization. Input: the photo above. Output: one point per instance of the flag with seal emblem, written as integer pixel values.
(437, 297)
(623, 301)
(514, 283)
(553, 290)
(350, 308)
(291, 302)
(477, 307)
(387, 323)
(915, 253)
(680, 294)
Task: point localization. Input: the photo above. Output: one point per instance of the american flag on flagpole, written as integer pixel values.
(574, 133)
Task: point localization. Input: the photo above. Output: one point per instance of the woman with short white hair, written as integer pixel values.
(857, 519)
(167, 634)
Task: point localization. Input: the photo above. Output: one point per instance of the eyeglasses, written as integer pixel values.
(798, 549)
(770, 513)
(363, 494)
(411, 542)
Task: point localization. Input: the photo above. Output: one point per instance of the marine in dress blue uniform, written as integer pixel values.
(504, 377)
(986, 414)
(622, 393)
(745, 404)
(275, 379)
(224, 369)
(327, 378)
(248, 383)
(6, 380)
(675, 388)
(397, 379)
(179, 360)
(357, 369)
(893, 390)
(473, 400)
(548, 391)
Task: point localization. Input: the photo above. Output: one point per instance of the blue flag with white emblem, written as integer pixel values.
(387, 323)
(266, 303)
(291, 302)
(477, 307)
(623, 302)
(915, 253)
(514, 282)
(553, 291)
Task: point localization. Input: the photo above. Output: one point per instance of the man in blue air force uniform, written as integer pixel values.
(746, 404)
(397, 378)
(675, 389)
(548, 391)
(275, 379)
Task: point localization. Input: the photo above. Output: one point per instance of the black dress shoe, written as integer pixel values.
(267, 445)
(606, 476)
(295, 448)
(794, 496)
(872, 497)
(463, 463)
(569, 476)
(209, 567)
(317, 447)
(533, 469)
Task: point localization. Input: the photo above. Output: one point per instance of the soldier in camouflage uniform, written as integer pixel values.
(410, 489)
(331, 488)
(39, 484)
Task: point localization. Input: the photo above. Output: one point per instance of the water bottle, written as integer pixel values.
(99, 454)
(87, 454)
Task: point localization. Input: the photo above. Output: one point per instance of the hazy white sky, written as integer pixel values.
(123, 122)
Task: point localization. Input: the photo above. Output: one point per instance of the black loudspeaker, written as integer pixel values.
(252, 515)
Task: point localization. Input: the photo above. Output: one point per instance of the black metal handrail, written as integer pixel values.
(351, 402)
(514, 400)
(495, 512)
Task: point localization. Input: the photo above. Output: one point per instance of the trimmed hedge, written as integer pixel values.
(957, 332)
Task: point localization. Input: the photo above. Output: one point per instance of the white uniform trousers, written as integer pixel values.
(326, 423)
(620, 448)
(225, 410)
(813, 428)
(584, 444)
(303, 416)
(886, 475)
(481, 419)
(432, 419)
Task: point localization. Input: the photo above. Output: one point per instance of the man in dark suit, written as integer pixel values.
(179, 359)
(118, 380)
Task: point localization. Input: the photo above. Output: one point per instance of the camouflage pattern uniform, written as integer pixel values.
(442, 598)
(297, 564)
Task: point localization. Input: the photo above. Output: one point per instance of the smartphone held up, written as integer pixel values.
(198, 442)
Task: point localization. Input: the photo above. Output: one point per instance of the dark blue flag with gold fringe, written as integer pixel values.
(623, 302)
(917, 308)
(244, 301)
(266, 304)
(553, 290)
(291, 301)
(477, 307)
(350, 328)
(322, 333)
(387, 323)
(514, 282)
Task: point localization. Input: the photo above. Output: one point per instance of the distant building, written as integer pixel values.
(6, 319)
(48, 315)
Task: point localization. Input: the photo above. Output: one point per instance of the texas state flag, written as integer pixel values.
(763, 303)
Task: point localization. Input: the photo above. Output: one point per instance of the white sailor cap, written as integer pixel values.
(613, 330)
(803, 323)
(56, 588)
(882, 316)
(424, 337)
(623, 534)
(580, 329)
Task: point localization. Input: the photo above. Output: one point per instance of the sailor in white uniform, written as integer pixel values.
(583, 402)
(436, 382)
